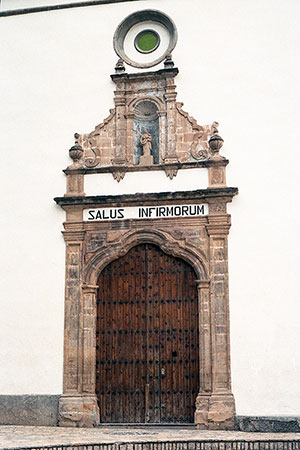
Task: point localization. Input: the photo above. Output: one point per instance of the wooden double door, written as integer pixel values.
(147, 368)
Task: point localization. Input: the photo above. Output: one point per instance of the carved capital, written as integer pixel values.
(217, 207)
(73, 236)
(202, 284)
(129, 115)
(170, 97)
(120, 101)
(218, 229)
(161, 113)
(89, 289)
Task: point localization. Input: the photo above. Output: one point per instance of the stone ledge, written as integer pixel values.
(268, 424)
(140, 168)
(199, 194)
(170, 444)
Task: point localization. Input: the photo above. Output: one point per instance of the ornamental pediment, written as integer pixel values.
(146, 130)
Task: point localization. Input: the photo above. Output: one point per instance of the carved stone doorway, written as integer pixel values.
(147, 353)
(200, 242)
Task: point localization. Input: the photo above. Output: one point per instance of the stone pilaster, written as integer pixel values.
(120, 102)
(221, 411)
(70, 404)
(217, 175)
(88, 315)
(202, 401)
(162, 135)
(170, 98)
(75, 184)
(129, 137)
(78, 404)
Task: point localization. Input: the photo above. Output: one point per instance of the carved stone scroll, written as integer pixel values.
(146, 103)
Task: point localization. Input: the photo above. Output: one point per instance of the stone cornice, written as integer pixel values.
(159, 198)
(138, 168)
(79, 4)
(144, 75)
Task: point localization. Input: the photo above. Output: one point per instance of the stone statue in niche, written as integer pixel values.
(146, 134)
(146, 141)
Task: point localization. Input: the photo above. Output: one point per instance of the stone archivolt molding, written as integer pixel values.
(120, 245)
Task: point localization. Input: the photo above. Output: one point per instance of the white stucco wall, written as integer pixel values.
(239, 65)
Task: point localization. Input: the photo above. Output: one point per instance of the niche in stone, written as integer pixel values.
(146, 133)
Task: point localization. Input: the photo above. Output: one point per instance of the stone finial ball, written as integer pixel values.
(76, 152)
(215, 143)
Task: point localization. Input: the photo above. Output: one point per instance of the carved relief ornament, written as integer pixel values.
(147, 130)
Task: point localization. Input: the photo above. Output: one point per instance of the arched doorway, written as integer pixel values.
(147, 353)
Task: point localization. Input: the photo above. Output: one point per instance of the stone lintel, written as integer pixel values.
(159, 197)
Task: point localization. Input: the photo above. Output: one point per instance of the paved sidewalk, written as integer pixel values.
(12, 436)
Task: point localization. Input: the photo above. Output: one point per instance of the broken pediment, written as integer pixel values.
(147, 130)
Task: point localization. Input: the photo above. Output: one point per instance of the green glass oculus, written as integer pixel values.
(147, 41)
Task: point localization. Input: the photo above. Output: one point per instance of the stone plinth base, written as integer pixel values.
(215, 412)
(34, 410)
(146, 160)
(78, 411)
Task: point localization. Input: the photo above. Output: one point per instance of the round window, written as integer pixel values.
(147, 41)
(144, 39)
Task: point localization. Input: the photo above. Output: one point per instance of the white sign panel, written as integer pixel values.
(144, 212)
